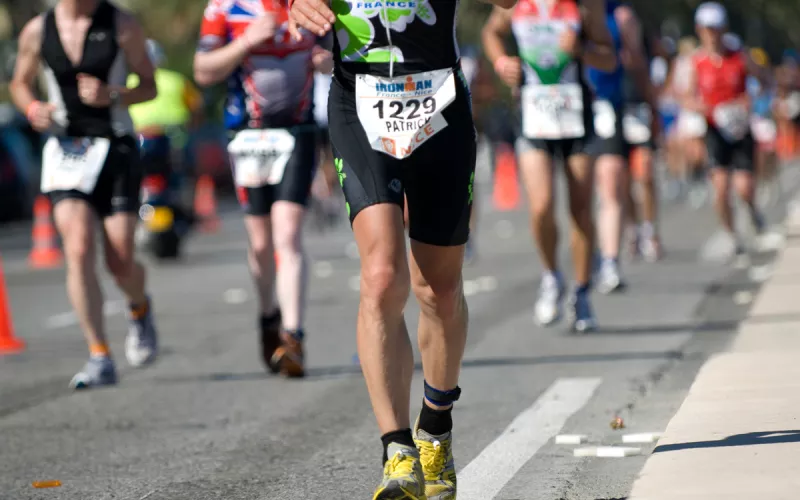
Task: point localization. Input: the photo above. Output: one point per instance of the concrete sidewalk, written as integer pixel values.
(737, 434)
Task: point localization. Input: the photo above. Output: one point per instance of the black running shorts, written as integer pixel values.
(437, 179)
(295, 186)
(738, 155)
(118, 188)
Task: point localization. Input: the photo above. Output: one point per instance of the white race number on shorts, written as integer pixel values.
(552, 112)
(764, 130)
(72, 163)
(692, 125)
(260, 156)
(732, 120)
(400, 114)
(636, 124)
(605, 119)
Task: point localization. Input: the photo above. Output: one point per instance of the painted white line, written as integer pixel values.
(571, 438)
(607, 452)
(742, 297)
(487, 283)
(235, 296)
(354, 283)
(645, 437)
(498, 463)
(323, 269)
(504, 229)
(66, 319)
(471, 288)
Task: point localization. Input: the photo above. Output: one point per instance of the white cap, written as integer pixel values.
(711, 15)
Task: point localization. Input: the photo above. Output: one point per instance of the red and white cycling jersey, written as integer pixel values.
(273, 87)
(720, 79)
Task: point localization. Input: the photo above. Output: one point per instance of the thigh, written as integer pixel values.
(440, 180)
(610, 143)
(367, 177)
(536, 171)
(295, 187)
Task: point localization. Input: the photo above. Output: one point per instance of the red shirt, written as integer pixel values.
(720, 79)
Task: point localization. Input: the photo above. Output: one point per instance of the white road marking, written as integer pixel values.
(235, 296)
(351, 250)
(607, 452)
(498, 463)
(66, 319)
(571, 438)
(487, 283)
(742, 297)
(471, 288)
(645, 437)
(323, 269)
(354, 283)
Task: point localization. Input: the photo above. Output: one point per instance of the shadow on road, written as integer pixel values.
(748, 439)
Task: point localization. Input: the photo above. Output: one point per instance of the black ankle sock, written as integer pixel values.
(436, 422)
(267, 321)
(403, 436)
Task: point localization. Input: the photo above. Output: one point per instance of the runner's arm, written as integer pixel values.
(494, 32)
(634, 58)
(132, 41)
(690, 98)
(214, 65)
(27, 66)
(504, 4)
(599, 51)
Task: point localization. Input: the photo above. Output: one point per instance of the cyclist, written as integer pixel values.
(269, 107)
(717, 89)
(401, 125)
(556, 38)
(90, 167)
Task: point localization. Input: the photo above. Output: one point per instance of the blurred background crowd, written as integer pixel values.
(767, 24)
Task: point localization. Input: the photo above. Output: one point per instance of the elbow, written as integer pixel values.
(203, 78)
(506, 4)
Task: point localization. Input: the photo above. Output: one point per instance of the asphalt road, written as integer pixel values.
(206, 422)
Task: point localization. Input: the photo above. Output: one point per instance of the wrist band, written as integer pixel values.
(500, 63)
(33, 107)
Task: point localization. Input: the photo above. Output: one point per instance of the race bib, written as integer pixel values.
(552, 111)
(73, 163)
(401, 114)
(692, 124)
(732, 121)
(636, 124)
(764, 130)
(605, 119)
(260, 156)
(792, 104)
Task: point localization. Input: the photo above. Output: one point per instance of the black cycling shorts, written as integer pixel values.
(295, 186)
(118, 188)
(437, 179)
(738, 155)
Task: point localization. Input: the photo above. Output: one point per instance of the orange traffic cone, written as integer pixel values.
(205, 204)
(506, 187)
(9, 344)
(45, 253)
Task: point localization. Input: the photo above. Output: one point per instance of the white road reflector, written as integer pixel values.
(742, 297)
(645, 437)
(235, 296)
(487, 283)
(354, 283)
(607, 452)
(323, 269)
(471, 288)
(351, 250)
(571, 439)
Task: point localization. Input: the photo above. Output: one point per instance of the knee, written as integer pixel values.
(385, 286)
(79, 250)
(287, 241)
(261, 247)
(541, 207)
(120, 263)
(442, 297)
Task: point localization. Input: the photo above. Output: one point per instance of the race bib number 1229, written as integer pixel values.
(400, 114)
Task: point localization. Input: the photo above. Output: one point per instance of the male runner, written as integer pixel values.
(90, 165)
(641, 126)
(556, 38)
(270, 82)
(401, 126)
(717, 89)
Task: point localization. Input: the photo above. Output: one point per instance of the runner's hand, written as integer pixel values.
(93, 92)
(260, 30)
(313, 15)
(510, 71)
(322, 60)
(41, 117)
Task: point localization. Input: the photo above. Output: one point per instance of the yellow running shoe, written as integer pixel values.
(436, 455)
(402, 475)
